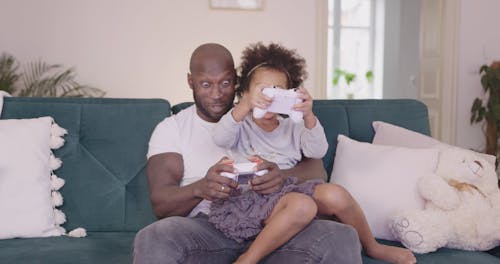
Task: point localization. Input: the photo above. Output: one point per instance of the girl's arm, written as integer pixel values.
(312, 139)
(226, 132)
(249, 100)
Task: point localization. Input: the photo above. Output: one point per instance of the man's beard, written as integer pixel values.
(214, 117)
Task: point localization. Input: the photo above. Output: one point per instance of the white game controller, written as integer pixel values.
(283, 102)
(244, 172)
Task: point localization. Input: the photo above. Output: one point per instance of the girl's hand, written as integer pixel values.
(257, 98)
(306, 107)
(249, 100)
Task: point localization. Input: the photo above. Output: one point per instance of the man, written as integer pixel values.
(183, 179)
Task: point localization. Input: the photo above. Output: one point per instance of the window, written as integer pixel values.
(355, 48)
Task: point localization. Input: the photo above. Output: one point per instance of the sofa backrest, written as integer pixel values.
(354, 118)
(104, 156)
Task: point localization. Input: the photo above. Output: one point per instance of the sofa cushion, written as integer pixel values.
(389, 134)
(104, 156)
(375, 174)
(403, 112)
(97, 247)
(443, 256)
(26, 164)
(353, 118)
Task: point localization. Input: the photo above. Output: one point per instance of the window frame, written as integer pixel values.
(333, 48)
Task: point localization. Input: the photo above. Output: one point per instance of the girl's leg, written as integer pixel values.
(334, 200)
(292, 213)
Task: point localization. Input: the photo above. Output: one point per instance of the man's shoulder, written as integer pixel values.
(168, 133)
(180, 118)
(185, 113)
(185, 117)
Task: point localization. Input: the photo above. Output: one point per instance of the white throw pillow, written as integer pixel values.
(2, 95)
(389, 134)
(382, 179)
(28, 187)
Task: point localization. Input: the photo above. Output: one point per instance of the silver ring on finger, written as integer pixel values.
(222, 188)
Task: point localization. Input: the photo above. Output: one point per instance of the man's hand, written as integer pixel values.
(270, 182)
(214, 186)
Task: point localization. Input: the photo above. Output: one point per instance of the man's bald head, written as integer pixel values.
(212, 78)
(211, 57)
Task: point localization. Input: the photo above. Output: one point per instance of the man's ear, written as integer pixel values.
(190, 80)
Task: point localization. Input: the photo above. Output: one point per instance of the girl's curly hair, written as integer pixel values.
(274, 56)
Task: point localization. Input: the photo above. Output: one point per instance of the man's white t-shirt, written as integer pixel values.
(189, 135)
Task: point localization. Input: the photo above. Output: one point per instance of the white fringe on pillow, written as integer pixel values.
(57, 198)
(56, 182)
(57, 141)
(57, 131)
(61, 230)
(2, 95)
(54, 162)
(78, 232)
(60, 217)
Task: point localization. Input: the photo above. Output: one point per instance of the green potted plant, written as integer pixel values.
(349, 78)
(41, 80)
(488, 112)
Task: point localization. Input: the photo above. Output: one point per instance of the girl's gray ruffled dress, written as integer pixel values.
(241, 216)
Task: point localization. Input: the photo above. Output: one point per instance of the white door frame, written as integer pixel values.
(438, 62)
(320, 84)
(439, 25)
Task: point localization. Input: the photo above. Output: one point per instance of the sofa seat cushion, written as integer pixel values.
(443, 256)
(97, 247)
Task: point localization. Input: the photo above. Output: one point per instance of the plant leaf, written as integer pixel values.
(369, 76)
(8, 75)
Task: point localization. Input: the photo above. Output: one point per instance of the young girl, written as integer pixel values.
(275, 218)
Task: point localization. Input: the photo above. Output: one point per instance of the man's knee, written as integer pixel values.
(340, 244)
(323, 241)
(183, 240)
(158, 241)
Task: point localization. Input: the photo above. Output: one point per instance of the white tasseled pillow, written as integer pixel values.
(29, 189)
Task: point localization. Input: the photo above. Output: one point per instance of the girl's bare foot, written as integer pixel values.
(391, 254)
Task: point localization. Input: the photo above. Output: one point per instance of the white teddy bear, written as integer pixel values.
(462, 207)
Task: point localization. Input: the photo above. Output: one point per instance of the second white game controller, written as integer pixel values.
(244, 172)
(283, 102)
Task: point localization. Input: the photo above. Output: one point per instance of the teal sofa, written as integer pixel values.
(104, 160)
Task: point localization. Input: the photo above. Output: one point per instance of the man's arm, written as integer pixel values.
(307, 169)
(168, 198)
(165, 172)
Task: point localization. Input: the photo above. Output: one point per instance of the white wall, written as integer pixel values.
(479, 43)
(141, 49)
